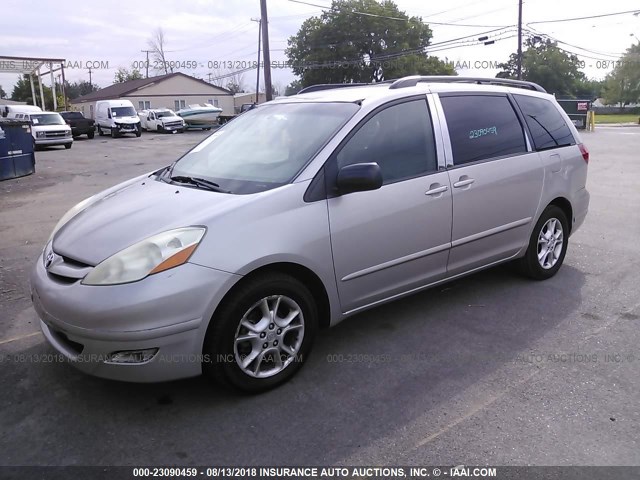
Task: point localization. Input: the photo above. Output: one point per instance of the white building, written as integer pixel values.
(174, 91)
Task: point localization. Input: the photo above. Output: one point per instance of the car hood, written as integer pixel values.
(134, 212)
(126, 119)
(171, 119)
(50, 128)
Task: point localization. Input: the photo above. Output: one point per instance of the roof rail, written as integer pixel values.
(330, 86)
(413, 80)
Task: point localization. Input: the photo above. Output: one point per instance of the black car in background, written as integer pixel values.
(79, 124)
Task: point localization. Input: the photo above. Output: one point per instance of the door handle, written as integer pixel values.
(463, 182)
(435, 190)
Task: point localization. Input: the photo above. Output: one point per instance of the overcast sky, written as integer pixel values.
(208, 31)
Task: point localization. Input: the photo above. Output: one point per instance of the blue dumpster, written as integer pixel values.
(16, 149)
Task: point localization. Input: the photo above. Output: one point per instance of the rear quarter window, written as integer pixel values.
(482, 127)
(547, 126)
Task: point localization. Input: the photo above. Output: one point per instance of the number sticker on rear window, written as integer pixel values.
(482, 132)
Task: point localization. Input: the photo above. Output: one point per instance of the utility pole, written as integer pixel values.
(259, 20)
(147, 64)
(264, 23)
(90, 82)
(519, 71)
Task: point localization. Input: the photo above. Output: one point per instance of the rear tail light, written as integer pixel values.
(584, 152)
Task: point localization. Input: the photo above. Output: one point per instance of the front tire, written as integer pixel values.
(68, 145)
(261, 334)
(547, 245)
(100, 132)
(114, 133)
(90, 135)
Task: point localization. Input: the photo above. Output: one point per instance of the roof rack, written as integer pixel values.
(413, 80)
(330, 86)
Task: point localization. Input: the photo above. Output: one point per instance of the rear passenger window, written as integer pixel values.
(482, 127)
(547, 126)
(399, 139)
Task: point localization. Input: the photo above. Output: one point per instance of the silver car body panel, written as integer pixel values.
(366, 248)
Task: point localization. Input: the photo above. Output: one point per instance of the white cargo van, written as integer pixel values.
(5, 110)
(117, 117)
(47, 128)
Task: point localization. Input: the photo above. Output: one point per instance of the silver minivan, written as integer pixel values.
(302, 212)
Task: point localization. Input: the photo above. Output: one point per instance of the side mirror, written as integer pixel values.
(359, 177)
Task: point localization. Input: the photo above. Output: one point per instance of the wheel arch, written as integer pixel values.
(303, 274)
(565, 205)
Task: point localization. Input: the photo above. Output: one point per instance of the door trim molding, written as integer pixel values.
(397, 261)
(491, 231)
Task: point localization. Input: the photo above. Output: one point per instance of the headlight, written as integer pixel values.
(67, 133)
(40, 134)
(155, 254)
(73, 211)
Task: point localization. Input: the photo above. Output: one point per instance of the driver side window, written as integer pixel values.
(399, 139)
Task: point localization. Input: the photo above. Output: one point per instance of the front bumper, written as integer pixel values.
(53, 141)
(169, 311)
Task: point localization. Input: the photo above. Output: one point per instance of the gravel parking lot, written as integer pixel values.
(491, 369)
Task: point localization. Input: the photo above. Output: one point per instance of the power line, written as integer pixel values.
(427, 22)
(583, 18)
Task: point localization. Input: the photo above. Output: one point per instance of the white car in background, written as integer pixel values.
(161, 120)
(47, 128)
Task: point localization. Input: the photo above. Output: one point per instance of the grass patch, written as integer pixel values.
(617, 118)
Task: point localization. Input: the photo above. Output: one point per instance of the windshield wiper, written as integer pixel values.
(199, 182)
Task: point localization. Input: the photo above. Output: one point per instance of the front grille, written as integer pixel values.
(173, 124)
(55, 134)
(66, 270)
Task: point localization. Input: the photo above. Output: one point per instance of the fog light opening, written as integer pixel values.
(133, 356)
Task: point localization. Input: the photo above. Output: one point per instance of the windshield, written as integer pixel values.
(47, 119)
(165, 113)
(71, 115)
(265, 147)
(123, 112)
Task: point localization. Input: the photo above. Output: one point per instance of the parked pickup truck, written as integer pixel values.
(222, 119)
(79, 125)
(161, 120)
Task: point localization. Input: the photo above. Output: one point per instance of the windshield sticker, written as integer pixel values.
(34, 121)
(482, 132)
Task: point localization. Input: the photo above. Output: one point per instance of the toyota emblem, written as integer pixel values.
(49, 260)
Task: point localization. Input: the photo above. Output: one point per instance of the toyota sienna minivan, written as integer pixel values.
(302, 212)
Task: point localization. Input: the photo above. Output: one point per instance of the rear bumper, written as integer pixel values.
(580, 208)
(75, 131)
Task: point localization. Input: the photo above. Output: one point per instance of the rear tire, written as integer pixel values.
(547, 245)
(271, 318)
(100, 132)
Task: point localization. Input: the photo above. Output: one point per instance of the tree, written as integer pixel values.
(78, 89)
(235, 82)
(361, 41)
(123, 75)
(544, 63)
(590, 88)
(157, 45)
(293, 88)
(22, 92)
(622, 85)
(3, 94)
